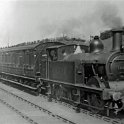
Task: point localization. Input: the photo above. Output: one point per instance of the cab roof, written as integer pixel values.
(59, 46)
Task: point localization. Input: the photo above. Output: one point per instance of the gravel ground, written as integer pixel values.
(56, 108)
(27, 110)
(10, 117)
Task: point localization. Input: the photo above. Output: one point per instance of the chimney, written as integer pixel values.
(117, 39)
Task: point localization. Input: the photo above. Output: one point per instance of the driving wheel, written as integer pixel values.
(94, 100)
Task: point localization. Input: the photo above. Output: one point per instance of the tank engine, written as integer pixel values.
(94, 79)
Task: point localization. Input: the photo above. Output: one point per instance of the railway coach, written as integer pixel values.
(18, 62)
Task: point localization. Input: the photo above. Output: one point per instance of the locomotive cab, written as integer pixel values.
(57, 53)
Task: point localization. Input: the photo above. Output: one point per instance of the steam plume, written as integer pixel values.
(35, 20)
(109, 15)
(104, 16)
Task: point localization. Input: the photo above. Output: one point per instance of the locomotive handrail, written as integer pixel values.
(119, 60)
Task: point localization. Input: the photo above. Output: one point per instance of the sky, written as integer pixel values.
(30, 20)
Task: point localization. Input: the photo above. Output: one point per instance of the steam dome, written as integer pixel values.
(96, 45)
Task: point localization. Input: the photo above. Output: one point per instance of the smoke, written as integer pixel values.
(109, 15)
(23, 21)
(72, 27)
(104, 16)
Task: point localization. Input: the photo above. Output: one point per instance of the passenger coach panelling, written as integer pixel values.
(20, 60)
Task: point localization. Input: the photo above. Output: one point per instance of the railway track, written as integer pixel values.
(84, 111)
(30, 111)
(89, 113)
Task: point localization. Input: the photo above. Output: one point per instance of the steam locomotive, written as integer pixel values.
(75, 73)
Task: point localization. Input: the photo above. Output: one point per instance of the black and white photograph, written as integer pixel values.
(61, 62)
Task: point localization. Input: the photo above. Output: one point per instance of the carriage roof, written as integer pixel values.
(27, 47)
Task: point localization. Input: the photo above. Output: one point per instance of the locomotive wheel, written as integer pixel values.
(95, 99)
